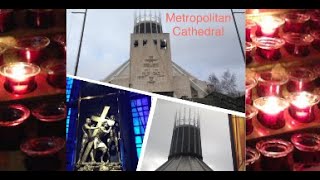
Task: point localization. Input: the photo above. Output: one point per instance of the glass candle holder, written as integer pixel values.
(250, 24)
(6, 20)
(276, 155)
(316, 71)
(40, 18)
(251, 112)
(60, 40)
(250, 84)
(20, 77)
(301, 106)
(56, 74)
(315, 20)
(271, 111)
(51, 118)
(43, 153)
(269, 48)
(12, 120)
(252, 159)
(3, 49)
(30, 49)
(298, 44)
(307, 147)
(316, 42)
(269, 26)
(300, 79)
(296, 22)
(249, 48)
(270, 85)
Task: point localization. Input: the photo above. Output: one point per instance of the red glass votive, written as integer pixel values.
(51, 118)
(3, 49)
(297, 44)
(315, 20)
(252, 159)
(300, 79)
(269, 48)
(316, 71)
(271, 111)
(250, 24)
(307, 148)
(301, 106)
(269, 26)
(296, 22)
(6, 20)
(40, 18)
(250, 84)
(249, 48)
(12, 120)
(251, 112)
(31, 48)
(20, 77)
(276, 155)
(60, 40)
(270, 85)
(56, 74)
(316, 42)
(43, 153)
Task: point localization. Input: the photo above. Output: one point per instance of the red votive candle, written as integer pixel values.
(276, 155)
(6, 20)
(271, 111)
(31, 49)
(251, 112)
(300, 79)
(316, 71)
(269, 48)
(250, 84)
(252, 159)
(315, 20)
(316, 42)
(296, 22)
(250, 24)
(3, 49)
(301, 106)
(60, 40)
(20, 77)
(268, 26)
(12, 118)
(40, 18)
(269, 85)
(56, 75)
(249, 47)
(297, 44)
(307, 148)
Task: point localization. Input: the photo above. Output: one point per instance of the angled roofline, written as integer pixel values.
(117, 71)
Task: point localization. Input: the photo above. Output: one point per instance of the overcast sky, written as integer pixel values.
(106, 44)
(215, 137)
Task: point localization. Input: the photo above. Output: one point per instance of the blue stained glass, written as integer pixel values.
(138, 102)
(140, 114)
(138, 152)
(138, 140)
(136, 121)
(133, 104)
(135, 115)
(145, 101)
(139, 109)
(134, 110)
(145, 108)
(141, 130)
(146, 113)
(137, 130)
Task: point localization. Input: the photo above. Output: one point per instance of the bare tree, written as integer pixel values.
(226, 85)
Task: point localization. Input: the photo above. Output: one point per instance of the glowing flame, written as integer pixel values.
(302, 101)
(268, 25)
(18, 72)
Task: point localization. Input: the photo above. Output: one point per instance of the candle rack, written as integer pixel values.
(287, 62)
(14, 158)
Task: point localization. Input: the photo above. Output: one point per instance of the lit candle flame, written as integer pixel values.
(268, 25)
(18, 72)
(301, 101)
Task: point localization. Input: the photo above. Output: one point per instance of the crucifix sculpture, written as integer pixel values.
(100, 120)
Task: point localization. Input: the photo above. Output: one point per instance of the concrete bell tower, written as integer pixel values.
(150, 56)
